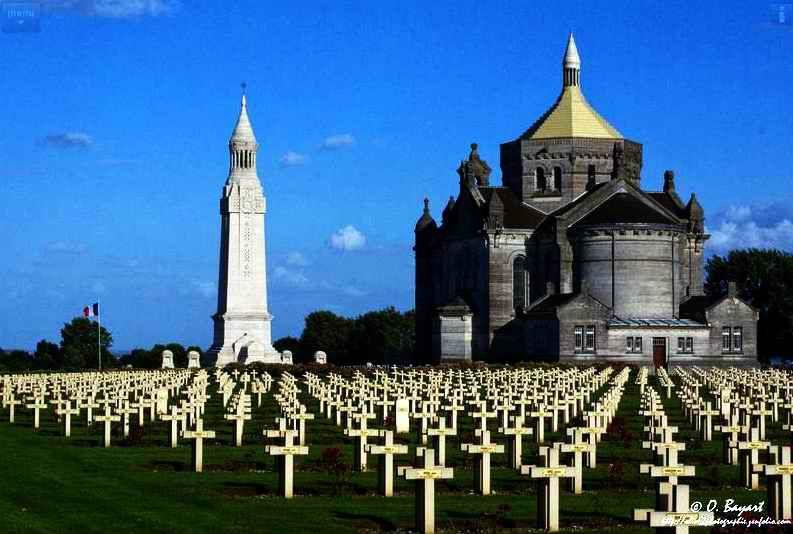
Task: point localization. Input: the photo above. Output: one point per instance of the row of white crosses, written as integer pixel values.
(551, 471)
(746, 399)
(236, 401)
(177, 397)
(435, 399)
(290, 425)
(115, 397)
(196, 397)
(672, 512)
(517, 402)
(104, 398)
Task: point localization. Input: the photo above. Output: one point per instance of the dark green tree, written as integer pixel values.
(15, 361)
(79, 345)
(138, 358)
(291, 344)
(152, 358)
(179, 354)
(48, 356)
(765, 280)
(328, 332)
(129, 358)
(381, 336)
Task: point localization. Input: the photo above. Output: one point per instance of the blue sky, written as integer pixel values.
(116, 117)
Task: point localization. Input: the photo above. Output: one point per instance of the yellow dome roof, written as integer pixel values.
(571, 116)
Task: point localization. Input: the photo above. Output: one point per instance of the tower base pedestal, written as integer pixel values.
(242, 338)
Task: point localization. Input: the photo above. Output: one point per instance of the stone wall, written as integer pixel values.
(700, 337)
(731, 312)
(466, 271)
(541, 339)
(503, 249)
(424, 306)
(692, 271)
(521, 158)
(453, 337)
(634, 270)
(581, 311)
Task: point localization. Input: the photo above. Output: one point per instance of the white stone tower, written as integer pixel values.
(242, 322)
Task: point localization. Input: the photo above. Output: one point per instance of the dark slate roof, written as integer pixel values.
(516, 213)
(551, 303)
(457, 304)
(654, 322)
(576, 201)
(694, 307)
(624, 208)
(668, 202)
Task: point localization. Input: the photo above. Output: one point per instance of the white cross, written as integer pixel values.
(385, 465)
(286, 456)
(425, 473)
(198, 435)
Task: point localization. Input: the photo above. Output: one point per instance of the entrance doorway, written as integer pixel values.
(659, 352)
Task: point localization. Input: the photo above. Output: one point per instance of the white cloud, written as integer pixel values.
(67, 247)
(120, 9)
(738, 213)
(347, 290)
(296, 259)
(347, 238)
(205, 288)
(293, 159)
(289, 277)
(749, 234)
(755, 226)
(335, 142)
(69, 140)
(352, 291)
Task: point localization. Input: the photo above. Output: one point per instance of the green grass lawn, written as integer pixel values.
(50, 483)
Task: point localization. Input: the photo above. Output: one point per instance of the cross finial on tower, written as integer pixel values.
(244, 99)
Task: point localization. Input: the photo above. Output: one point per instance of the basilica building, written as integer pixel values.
(571, 258)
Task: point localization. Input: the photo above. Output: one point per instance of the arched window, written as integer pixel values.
(520, 286)
(539, 179)
(557, 178)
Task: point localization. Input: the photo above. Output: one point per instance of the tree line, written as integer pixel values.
(376, 337)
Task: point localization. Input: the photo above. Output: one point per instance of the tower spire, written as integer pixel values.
(243, 131)
(242, 145)
(571, 64)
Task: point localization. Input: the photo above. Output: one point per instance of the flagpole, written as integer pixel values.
(99, 332)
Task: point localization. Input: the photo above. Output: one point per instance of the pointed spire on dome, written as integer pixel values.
(426, 218)
(571, 64)
(571, 58)
(243, 131)
(696, 215)
(447, 211)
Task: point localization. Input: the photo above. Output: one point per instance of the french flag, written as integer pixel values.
(91, 311)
